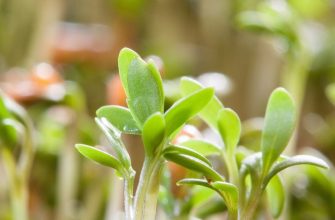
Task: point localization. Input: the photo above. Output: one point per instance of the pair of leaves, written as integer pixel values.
(227, 191)
(192, 160)
(121, 162)
(142, 84)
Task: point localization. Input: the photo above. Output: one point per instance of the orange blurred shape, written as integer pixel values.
(115, 92)
(43, 75)
(23, 86)
(78, 42)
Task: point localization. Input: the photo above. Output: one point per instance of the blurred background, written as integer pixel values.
(58, 59)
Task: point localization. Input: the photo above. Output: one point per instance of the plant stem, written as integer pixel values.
(232, 214)
(249, 209)
(18, 187)
(232, 168)
(128, 197)
(147, 190)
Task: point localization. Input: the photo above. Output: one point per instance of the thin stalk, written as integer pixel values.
(249, 209)
(18, 187)
(128, 197)
(147, 190)
(232, 168)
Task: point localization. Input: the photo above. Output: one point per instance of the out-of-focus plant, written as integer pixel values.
(247, 178)
(17, 151)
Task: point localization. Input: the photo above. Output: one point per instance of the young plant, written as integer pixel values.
(246, 181)
(16, 150)
(145, 116)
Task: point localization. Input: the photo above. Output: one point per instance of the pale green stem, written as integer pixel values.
(147, 190)
(128, 197)
(249, 209)
(18, 187)
(232, 168)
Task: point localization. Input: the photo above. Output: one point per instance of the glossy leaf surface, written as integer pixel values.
(209, 112)
(120, 117)
(99, 156)
(187, 151)
(187, 107)
(194, 164)
(145, 89)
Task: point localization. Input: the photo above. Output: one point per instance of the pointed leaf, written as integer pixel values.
(187, 151)
(126, 56)
(120, 117)
(203, 147)
(99, 156)
(210, 111)
(194, 164)
(186, 108)
(295, 160)
(229, 126)
(153, 133)
(276, 196)
(114, 137)
(145, 87)
(279, 125)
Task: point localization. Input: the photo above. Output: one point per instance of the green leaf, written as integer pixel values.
(203, 147)
(99, 156)
(9, 135)
(194, 181)
(209, 112)
(186, 108)
(194, 164)
(229, 126)
(187, 151)
(229, 193)
(276, 196)
(120, 117)
(145, 87)
(226, 190)
(279, 125)
(114, 137)
(126, 56)
(293, 161)
(153, 133)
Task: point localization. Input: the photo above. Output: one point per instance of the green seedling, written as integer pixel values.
(16, 151)
(258, 172)
(145, 116)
